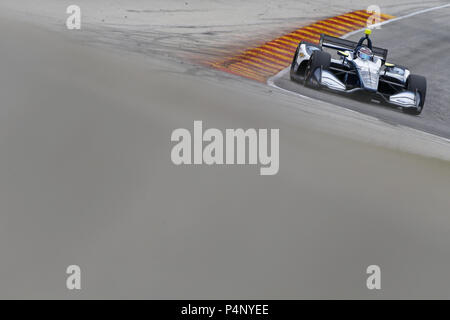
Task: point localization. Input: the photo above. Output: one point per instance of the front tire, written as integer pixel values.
(294, 66)
(296, 69)
(417, 84)
(319, 59)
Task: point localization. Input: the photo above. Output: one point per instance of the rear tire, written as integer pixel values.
(417, 83)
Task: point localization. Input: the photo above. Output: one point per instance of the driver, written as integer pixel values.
(365, 53)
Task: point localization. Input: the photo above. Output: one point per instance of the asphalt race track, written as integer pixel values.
(422, 43)
(86, 176)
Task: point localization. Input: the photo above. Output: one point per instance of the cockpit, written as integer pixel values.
(365, 53)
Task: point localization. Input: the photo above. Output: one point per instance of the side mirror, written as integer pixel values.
(343, 53)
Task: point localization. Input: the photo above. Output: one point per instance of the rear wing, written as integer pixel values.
(343, 44)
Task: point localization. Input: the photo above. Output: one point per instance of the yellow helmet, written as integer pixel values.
(368, 32)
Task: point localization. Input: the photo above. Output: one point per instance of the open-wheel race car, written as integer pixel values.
(358, 68)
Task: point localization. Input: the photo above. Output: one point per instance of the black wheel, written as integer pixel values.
(417, 84)
(294, 63)
(319, 59)
(297, 70)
